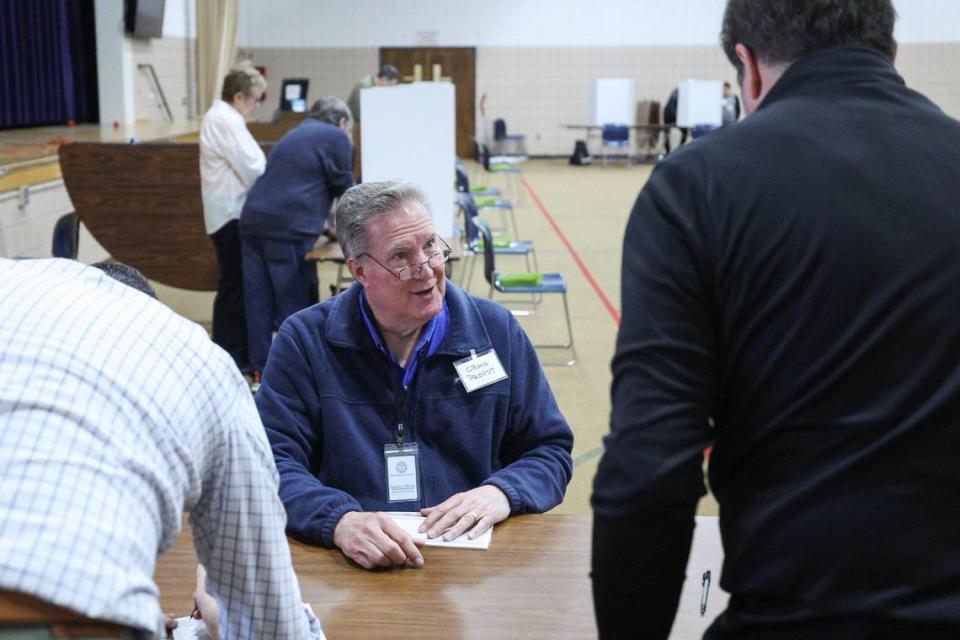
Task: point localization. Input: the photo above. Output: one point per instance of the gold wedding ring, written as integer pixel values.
(472, 514)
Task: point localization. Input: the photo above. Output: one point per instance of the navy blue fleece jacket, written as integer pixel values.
(330, 400)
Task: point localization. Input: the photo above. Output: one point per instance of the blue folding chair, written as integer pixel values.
(489, 199)
(507, 144)
(527, 284)
(480, 191)
(66, 237)
(502, 245)
(616, 136)
(501, 165)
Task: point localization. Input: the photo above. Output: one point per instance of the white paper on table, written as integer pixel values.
(411, 521)
(190, 629)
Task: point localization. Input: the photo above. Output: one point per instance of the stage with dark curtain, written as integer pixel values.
(48, 63)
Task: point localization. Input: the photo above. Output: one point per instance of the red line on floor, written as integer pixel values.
(573, 252)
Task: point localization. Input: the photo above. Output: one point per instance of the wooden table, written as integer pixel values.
(532, 582)
(326, 250)
(647, 136)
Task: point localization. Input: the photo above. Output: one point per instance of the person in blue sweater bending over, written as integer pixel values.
(284, 215)
(404, 393)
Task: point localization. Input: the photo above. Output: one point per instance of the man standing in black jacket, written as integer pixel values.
(791, 297)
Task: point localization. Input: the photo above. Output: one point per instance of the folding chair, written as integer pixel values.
(532, 283)
(507, 144)
(479, 191)
(488, 199)
(501, 165)
(66, 236)
(615, 136)
(474, 243)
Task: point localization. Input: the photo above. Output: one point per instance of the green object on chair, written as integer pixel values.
(480, 188)
(501, 167)
(501, 242)
(486, 201)
(531, 279)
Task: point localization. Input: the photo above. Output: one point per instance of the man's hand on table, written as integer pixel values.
(480, 508)
(374, 540)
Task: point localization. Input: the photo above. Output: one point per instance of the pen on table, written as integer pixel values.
(705, 584)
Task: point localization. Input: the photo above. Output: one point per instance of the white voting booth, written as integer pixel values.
(612, 101)
(409, 133)
(700, 102)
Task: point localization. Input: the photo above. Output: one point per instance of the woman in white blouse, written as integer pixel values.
(230, 162)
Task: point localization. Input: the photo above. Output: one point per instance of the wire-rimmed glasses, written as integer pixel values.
(413, 270)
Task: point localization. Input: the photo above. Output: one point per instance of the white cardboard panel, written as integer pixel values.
(613, 101)
(409, 133)
(700, 102)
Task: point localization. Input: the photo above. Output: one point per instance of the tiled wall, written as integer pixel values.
(538, 89)
(174, 60)
(934, 70)
(330, 71)
(27, 231)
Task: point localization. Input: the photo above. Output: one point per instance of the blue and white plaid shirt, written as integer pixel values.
(116, 415)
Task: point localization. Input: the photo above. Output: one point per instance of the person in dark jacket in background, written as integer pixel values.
(731, 106)
(404, 393)
(284, 215)
(670, 117)
(791, 294)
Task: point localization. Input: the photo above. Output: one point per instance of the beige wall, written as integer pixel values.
(933, 70)
(330, 71)
(174, 60)
(26, 229)
(538, 89)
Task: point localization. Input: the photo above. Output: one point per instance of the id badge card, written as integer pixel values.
(479, 370)
(403, 472)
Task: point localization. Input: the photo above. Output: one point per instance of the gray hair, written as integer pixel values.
(128, 275)
(367, 201)
(331, 110)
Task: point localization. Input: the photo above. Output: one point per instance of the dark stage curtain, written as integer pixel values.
(48, 64)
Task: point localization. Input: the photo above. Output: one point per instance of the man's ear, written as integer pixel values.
(356, 270)
(752, 84)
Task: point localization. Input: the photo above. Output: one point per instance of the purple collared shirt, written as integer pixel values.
(430, 339)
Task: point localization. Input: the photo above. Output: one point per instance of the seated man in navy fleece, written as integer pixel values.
(404, 393)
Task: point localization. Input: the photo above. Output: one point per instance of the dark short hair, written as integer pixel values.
(781, 32)
(389, 72)
(127, 275)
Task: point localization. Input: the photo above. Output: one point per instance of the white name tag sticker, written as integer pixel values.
(478, 371)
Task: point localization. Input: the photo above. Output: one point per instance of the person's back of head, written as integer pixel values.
(780, 32)
(388, 74)
(127, 275)
(332, 110)
(245, 79)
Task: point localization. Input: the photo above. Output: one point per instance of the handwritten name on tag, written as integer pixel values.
(479, 371)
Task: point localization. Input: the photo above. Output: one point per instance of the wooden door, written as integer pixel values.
(456, 64)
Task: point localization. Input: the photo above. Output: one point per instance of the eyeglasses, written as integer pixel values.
(411, 271)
